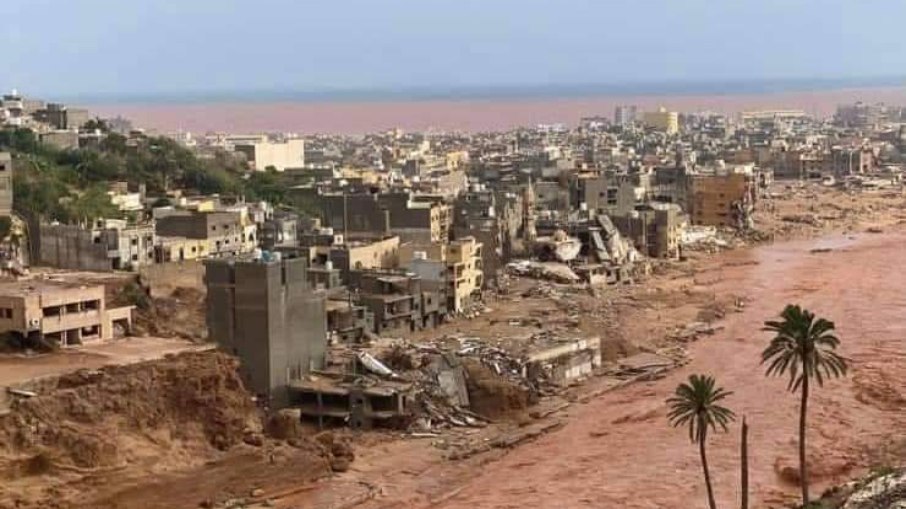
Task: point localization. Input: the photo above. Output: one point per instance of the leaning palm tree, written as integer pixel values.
(696, 404)
(803, 347)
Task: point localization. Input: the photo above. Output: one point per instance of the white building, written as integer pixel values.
(263, 152)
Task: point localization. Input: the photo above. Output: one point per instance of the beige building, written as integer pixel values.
(721, 198)
(177, 249)
(662, 120)
(62, 314)
(457, 264)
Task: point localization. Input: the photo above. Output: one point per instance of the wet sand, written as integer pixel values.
(465, 115)
(618, 451)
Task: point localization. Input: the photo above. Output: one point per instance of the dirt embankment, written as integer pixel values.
(98, 438)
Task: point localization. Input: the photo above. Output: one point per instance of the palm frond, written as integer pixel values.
(695, 404)
(803, 347)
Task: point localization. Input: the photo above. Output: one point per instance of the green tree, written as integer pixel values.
(803, 347)
(92, 204)
(696, 404)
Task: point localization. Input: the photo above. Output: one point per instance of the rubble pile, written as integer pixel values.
(548, 271)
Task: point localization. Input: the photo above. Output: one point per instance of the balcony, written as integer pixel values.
(70, 320)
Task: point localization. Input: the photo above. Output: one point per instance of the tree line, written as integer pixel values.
(70, 185)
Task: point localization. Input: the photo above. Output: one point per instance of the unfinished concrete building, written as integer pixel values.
(58, 314)
(265, 313)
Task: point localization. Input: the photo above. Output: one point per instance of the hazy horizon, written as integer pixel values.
(359, 117)
(210, 49)
(500, 92)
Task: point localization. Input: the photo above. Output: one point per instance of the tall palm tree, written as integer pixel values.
(803, 347)
(696, 404)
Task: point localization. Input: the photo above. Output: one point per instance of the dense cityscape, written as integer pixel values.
(265, 309)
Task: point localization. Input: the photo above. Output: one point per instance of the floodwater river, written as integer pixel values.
(619, 452)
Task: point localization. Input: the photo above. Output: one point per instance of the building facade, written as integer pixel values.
(265, 313)
(60, 315)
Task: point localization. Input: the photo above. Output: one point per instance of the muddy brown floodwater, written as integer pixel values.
(618, 451)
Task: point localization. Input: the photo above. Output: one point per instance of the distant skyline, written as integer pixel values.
(358, 49)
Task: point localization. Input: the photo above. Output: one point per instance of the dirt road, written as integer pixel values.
(618, 451)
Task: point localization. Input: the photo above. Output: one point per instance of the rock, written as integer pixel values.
(253, 439)
(256, 493)
(888, 491)
(340, 464)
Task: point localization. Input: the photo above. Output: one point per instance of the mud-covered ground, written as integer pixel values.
(614, 448)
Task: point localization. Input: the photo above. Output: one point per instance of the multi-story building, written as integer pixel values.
(62, 117)
(262, 152)
(223, 232)
(398, 300)
(655, 229)
(465, 277)
(58, 314)
(265, 313)
(402, 213)
(662, 120)
(281, 230)
(624, 115)
(456, 267)
(109, 244)
(721, 198)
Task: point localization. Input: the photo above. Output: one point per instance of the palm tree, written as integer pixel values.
(695, 403)
(803, 347)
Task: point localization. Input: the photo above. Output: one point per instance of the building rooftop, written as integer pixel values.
(23, 288)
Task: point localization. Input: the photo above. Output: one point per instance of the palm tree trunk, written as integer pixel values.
(701, 450)
(803, 468)
(744, 468)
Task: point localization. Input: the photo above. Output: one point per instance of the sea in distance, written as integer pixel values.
(355, 111)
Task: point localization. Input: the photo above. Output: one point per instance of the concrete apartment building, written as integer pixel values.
(456, 267)
(265, 313)
(222, 233)
(662, 120)
(262, 152)
(400, 213)
(606, 192)
(6, 184)
(463, 259)
(654, 229)
(60, 314)
(281, 230)
(398, 300)
(62, 117)
(110, 244)
(625, 115)
(720, 198)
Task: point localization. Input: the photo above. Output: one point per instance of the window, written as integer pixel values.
(6, 313)
(135, 258)
(134, 241)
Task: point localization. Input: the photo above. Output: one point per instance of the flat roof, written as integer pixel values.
(22, 288)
